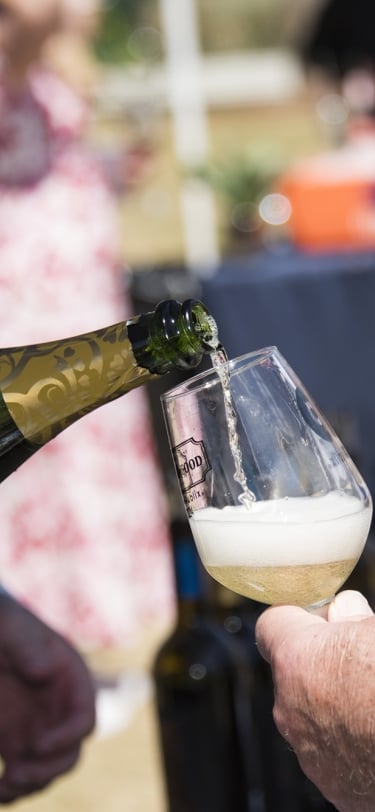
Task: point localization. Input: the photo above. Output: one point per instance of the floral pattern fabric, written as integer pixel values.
(84, 538)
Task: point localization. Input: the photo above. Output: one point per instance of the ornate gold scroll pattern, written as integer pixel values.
(46, 387)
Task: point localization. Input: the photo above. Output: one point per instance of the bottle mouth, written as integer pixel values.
(201, 323)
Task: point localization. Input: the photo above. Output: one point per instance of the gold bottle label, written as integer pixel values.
(47, 387)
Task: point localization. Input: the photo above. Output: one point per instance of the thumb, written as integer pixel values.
(277, 624)
(349, 605)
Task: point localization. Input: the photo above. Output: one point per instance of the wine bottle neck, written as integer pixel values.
(172, 336)
(188, 612)
(46, 387)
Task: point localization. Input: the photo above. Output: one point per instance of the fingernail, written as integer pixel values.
(349, 604)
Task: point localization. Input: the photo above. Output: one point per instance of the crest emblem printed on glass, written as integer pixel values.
(191, 462)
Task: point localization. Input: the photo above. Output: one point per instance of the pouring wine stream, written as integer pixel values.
(219, 361)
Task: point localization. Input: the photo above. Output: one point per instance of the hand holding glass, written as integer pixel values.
(277, 508)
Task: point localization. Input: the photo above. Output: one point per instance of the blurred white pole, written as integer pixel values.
(187, 105)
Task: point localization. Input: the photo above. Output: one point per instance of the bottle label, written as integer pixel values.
(46, 387)
(192, 465)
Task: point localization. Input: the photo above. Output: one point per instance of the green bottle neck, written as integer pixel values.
(189, 613)
(173, 336)
(46, 387)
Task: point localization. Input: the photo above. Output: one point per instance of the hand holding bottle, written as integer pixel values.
(46, 702)
(324, 678)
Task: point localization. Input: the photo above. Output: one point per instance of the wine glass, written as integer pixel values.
(277, 508)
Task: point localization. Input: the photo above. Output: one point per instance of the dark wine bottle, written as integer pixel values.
(285, 788)
(44, 388)
(201, 702)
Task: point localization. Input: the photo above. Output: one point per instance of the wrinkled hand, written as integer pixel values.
(46, 702)
(324, 681)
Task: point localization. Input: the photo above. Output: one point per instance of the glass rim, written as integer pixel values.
(202, 379)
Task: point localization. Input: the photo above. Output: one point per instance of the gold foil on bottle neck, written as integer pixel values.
(47, 387)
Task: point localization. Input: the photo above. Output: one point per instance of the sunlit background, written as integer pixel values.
(216, 95)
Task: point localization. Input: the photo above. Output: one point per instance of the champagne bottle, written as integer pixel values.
(285, 788)
(44, 388)
(198, 699)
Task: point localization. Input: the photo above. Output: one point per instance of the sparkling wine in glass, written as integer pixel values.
(277, 508)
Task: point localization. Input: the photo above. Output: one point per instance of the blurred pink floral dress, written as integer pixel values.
(84, 537)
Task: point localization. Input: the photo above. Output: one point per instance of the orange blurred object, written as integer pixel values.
(332, 197)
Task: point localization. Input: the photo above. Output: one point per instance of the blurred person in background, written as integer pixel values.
(85, 540)
(340, 43)
(331, 192)
(339, 36)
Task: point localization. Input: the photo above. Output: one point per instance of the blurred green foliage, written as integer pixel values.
(241, 178)
(120, 19)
